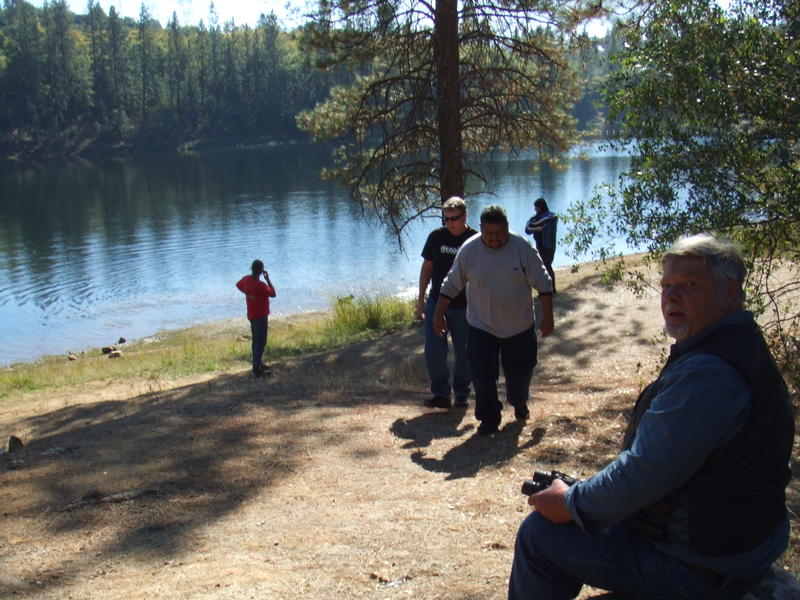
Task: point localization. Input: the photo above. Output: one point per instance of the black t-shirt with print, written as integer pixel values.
(441, 247)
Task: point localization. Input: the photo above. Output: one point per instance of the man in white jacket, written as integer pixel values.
(499, 269)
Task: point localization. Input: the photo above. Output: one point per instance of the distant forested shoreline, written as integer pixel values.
(98, 83)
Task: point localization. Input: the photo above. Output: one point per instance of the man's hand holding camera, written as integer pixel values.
(550, 502)
(545, 493)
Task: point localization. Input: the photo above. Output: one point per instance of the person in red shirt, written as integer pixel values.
(258, 294)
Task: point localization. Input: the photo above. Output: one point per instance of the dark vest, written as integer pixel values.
(737, 498)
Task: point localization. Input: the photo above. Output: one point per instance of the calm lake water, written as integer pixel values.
(93, 251)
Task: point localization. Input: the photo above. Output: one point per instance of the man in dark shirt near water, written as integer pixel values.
(694, 506)
(438, 253)
(542, 226)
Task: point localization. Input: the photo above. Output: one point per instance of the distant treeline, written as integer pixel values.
(83, 84)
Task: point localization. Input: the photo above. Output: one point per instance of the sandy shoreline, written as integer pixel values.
(238, 324)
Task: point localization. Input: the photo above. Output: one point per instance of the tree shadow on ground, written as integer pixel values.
(575, 343)
(169, 443)
(157, 467)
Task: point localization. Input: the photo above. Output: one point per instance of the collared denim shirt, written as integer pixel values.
(703, 402)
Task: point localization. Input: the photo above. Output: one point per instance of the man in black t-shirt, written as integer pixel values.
(438, 254)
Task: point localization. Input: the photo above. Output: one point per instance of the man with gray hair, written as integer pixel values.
(694, 505)
(499, 270)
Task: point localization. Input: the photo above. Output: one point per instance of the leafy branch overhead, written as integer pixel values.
(436, 88)
(709, 102)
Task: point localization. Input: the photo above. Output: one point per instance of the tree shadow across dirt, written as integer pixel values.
(582, 329)
(153, 469)
(150, 471)
(589, 448)
(143, 477)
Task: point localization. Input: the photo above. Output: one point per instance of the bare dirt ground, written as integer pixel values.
(327, 480)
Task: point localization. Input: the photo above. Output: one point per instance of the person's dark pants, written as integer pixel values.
(554, 561)
(486, 352)
(258, 329)
(548, 254)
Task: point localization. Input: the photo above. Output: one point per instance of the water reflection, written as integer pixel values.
(93, 251)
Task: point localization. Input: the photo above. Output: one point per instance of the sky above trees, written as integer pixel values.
(190, 12)
(289, 12)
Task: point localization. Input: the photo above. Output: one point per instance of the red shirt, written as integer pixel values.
(258, 294)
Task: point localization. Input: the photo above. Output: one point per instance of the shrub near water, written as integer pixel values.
(203, 348)
(364, 315)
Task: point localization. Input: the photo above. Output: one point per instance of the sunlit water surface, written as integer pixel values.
(90, 252)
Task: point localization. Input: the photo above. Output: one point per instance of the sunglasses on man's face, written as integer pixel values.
(451, 219)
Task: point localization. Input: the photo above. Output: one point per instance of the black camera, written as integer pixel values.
(543, 480)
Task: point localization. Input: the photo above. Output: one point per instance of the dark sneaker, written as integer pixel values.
(521, 413)
(487, 428)
(461, 402)
(437, 402)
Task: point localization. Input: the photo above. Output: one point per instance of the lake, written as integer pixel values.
(94, 251)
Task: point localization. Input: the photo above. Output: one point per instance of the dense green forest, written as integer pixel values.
(82, 84)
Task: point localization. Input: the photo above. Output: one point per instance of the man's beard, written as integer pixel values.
(679, 332)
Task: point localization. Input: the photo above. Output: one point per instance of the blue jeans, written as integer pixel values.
(258, 329)
(436, 350)
(552, 562)
(518, 357)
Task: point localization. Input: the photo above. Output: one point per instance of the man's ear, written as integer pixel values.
(732, 296)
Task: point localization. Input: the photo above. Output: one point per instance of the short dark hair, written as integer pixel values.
(541, 203)
(257, 268)
(494, 214)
